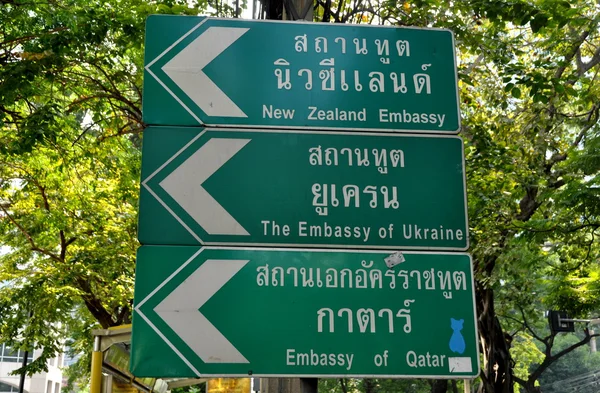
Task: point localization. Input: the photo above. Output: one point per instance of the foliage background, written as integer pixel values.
(71, 130)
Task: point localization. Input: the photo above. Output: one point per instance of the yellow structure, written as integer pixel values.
(110, 366)
(228, 385)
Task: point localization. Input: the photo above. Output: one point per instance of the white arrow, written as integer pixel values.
(185, 69)
(180, 310)
(185, 186)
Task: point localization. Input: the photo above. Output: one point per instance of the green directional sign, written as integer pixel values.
(207, 71)
(269, 312)
(292, 188)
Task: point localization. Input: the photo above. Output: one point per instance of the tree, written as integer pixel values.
(70, 124)
(529, 97)
(371, 385)
(68, 216)
(69, 131)
(521, 155)
(577, 370)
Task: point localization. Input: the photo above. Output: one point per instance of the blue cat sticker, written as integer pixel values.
(457, 341)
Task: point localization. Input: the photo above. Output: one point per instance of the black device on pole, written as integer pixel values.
(558, 323)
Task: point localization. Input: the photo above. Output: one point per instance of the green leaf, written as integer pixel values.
(538, 22)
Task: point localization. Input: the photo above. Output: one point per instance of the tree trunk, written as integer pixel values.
(454, 386)
(439, 386)
(497, 367)
(530, 388)
(273, 9)
(369, 385)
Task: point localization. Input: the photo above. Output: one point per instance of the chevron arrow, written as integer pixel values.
(180, 310)
(184, 185)
(186, 70)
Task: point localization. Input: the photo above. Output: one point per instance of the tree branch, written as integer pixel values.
(32, 36)
(584, 67)
(569, 56)
(551, 359)
(594, 112)
(528, 204)
(326, 11)
(64, 244)
(124, 316)
(42, 190)
(343, 385)
(94, 305)
(533, 333)
(340, 7)
(117, 92)
(486, 383)
(520, 381)
(30, 240)
(593, 225)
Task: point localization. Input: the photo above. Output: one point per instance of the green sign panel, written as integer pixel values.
(207, 71)
(292, 188)
(268, 312)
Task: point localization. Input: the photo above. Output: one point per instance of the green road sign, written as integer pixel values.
(311, 189)
(271, 312)
(207, 71)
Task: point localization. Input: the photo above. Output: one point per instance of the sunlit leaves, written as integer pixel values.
(70, 115)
